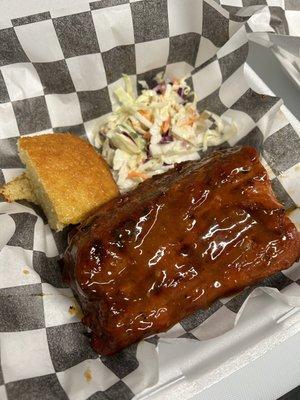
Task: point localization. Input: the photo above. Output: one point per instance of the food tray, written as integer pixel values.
(58, 73)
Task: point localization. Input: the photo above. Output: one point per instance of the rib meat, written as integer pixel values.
(203, 230)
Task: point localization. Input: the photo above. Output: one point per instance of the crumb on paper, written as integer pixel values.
(72, 310)
(88, 375)
(26, 271)
(75, 311)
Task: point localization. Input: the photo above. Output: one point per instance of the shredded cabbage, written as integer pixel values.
(149, 133)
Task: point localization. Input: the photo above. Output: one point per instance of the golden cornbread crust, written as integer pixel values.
(68, 176)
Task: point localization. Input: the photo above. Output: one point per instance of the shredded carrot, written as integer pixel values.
(166, 125)
(188, 121)
(147, 114)
(137, 174)
(191, 120)
(147, 135)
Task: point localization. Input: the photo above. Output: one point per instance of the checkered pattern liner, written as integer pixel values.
(57, 73)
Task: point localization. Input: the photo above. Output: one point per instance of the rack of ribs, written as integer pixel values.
(176, 243)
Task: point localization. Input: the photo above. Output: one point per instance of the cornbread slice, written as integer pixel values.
(18, 189)
(68, 178)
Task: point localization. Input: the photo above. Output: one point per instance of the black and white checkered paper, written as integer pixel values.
(58, 72)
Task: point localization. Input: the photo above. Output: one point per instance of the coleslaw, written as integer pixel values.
(148, 134)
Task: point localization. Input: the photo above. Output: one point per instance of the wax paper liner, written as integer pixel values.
(58, 72)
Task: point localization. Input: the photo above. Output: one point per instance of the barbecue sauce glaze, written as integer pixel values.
(178, 242)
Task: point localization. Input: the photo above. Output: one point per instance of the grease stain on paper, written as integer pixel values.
(88, 375)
